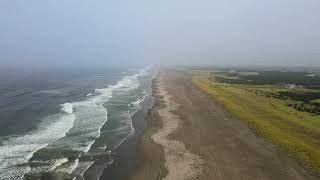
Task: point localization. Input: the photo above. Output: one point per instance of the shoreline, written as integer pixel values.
(228, 147)
(149, 153)
(124, 156)
(187, 135)
(161, 156)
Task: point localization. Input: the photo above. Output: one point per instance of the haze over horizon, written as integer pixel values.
(95, 33)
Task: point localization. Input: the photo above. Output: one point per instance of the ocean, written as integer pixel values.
(60, 124)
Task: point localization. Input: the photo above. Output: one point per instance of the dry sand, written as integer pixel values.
(190, 136)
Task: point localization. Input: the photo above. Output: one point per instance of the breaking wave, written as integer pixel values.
(63, 141)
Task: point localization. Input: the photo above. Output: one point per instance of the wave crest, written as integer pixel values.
(67, 108)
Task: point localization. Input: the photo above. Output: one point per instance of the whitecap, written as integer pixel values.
(17, 151)
(67, 108)
(81, 121)
(58, 163)
(69, 167)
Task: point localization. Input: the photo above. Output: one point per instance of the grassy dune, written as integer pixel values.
(295, 132)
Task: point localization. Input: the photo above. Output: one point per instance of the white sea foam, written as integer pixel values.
(58, 163)
(81, 120)
(68, 167)
(137, 103)
(126, 84)
(67, 108)
(16, 152)
(82, 167)
(91, 116)
(73, 166)
(95, 104)
(46, 166)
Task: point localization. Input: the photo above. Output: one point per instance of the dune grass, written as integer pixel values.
(295, 132)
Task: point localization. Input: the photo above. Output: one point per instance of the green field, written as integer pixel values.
(286, 117)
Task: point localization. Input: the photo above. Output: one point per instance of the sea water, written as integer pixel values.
(57, 124)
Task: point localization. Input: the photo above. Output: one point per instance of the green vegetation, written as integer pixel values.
(317, 101)
(301, 100)
(270, 77)
(286, 117)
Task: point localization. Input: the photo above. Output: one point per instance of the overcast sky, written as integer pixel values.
(117, 32)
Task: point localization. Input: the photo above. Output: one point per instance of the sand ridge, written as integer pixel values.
(179, 161)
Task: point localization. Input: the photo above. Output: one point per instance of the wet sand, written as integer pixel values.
(125, 156)
(211, 143)
(150, 154)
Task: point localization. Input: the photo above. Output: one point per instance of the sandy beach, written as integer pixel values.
(189, 136)
(179, 161)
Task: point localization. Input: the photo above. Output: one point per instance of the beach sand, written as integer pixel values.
(189, 136)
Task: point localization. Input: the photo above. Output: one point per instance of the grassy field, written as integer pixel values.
(293, 131)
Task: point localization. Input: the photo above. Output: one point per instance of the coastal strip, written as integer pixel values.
(160, 156)
(179, 161)
(150, 155)
(191, 136)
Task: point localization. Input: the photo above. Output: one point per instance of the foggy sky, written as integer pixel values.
(118, 32)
